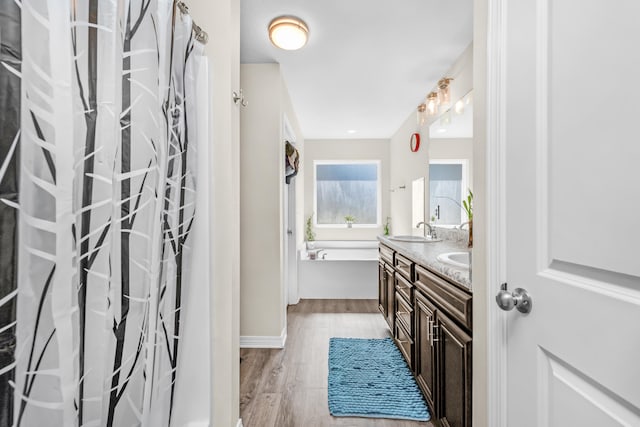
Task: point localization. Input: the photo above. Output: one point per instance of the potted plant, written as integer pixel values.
(467, 205)
(309, 235)
(387, 227)
(349, 219)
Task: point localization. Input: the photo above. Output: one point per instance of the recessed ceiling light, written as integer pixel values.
(441, 130)
(288, 32)
(351, 131)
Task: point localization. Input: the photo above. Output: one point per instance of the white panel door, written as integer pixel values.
(571, 81)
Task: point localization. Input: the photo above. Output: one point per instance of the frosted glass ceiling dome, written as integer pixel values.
(288, 32)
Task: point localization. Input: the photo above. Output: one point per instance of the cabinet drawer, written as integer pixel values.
(404, 287)
(405, 344)
(404, 313)
(452, 300)
(389, 270)
(386, 254)
(404, 266)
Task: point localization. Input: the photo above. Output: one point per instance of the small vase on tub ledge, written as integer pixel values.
(349, 219)
(309, 235)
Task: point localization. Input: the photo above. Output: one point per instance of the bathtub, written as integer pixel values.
(341, 270)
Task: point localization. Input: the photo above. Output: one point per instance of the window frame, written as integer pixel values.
(378, 193)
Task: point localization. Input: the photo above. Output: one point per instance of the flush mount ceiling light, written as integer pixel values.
(288, 32)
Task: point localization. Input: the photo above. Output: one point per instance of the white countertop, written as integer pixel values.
(425, 254)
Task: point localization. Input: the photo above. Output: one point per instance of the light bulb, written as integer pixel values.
(421, 114)
(444, 93)
(432, 104)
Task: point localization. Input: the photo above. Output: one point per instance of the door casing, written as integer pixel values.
(496, 320)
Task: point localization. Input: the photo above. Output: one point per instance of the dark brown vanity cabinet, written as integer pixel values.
(386, 291)
(455, 371)
(403, 332)
(386, 297)
(391, 296)
(382, 290)
(425, 363)
(404, 266)
(403, 307)
(432, 328)
(443, 347)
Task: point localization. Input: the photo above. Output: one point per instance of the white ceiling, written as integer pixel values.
(368, 63)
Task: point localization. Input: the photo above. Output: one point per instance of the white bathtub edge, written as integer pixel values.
(352, 244)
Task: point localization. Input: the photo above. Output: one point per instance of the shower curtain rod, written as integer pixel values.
(201, 35)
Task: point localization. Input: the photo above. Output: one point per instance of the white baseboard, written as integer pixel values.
(239, 424)
(264, 341)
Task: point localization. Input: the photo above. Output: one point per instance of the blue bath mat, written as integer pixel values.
(369, 378)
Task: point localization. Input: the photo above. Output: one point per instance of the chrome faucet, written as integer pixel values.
(432, 231)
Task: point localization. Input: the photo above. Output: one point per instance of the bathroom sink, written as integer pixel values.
(414, 239)
(455, 259)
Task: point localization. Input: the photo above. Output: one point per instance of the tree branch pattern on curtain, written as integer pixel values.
(10, 59)
(107, 202)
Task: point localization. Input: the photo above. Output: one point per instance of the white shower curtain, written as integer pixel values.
(106, 208)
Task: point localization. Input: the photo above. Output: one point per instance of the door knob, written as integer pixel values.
(519, 299)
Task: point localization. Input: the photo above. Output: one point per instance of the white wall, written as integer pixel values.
(262, 307)
(406, 166)
(221, 19)
(261, 166)
(346, 149)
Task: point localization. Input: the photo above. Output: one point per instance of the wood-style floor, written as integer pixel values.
(288, 387)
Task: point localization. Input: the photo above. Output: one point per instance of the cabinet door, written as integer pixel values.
(404, 343)
(454, 354)
(425, 360)
(404, 313)
(391, 299)
(382, 290)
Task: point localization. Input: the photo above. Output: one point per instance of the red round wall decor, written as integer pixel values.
(414, 143)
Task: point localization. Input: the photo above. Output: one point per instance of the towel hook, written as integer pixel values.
(239, 98)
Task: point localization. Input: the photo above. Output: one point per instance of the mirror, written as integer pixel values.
(448, 183)
(450, 163)
(455, 122)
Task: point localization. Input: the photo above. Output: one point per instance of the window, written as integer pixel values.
(447, 188)
(347, 189)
